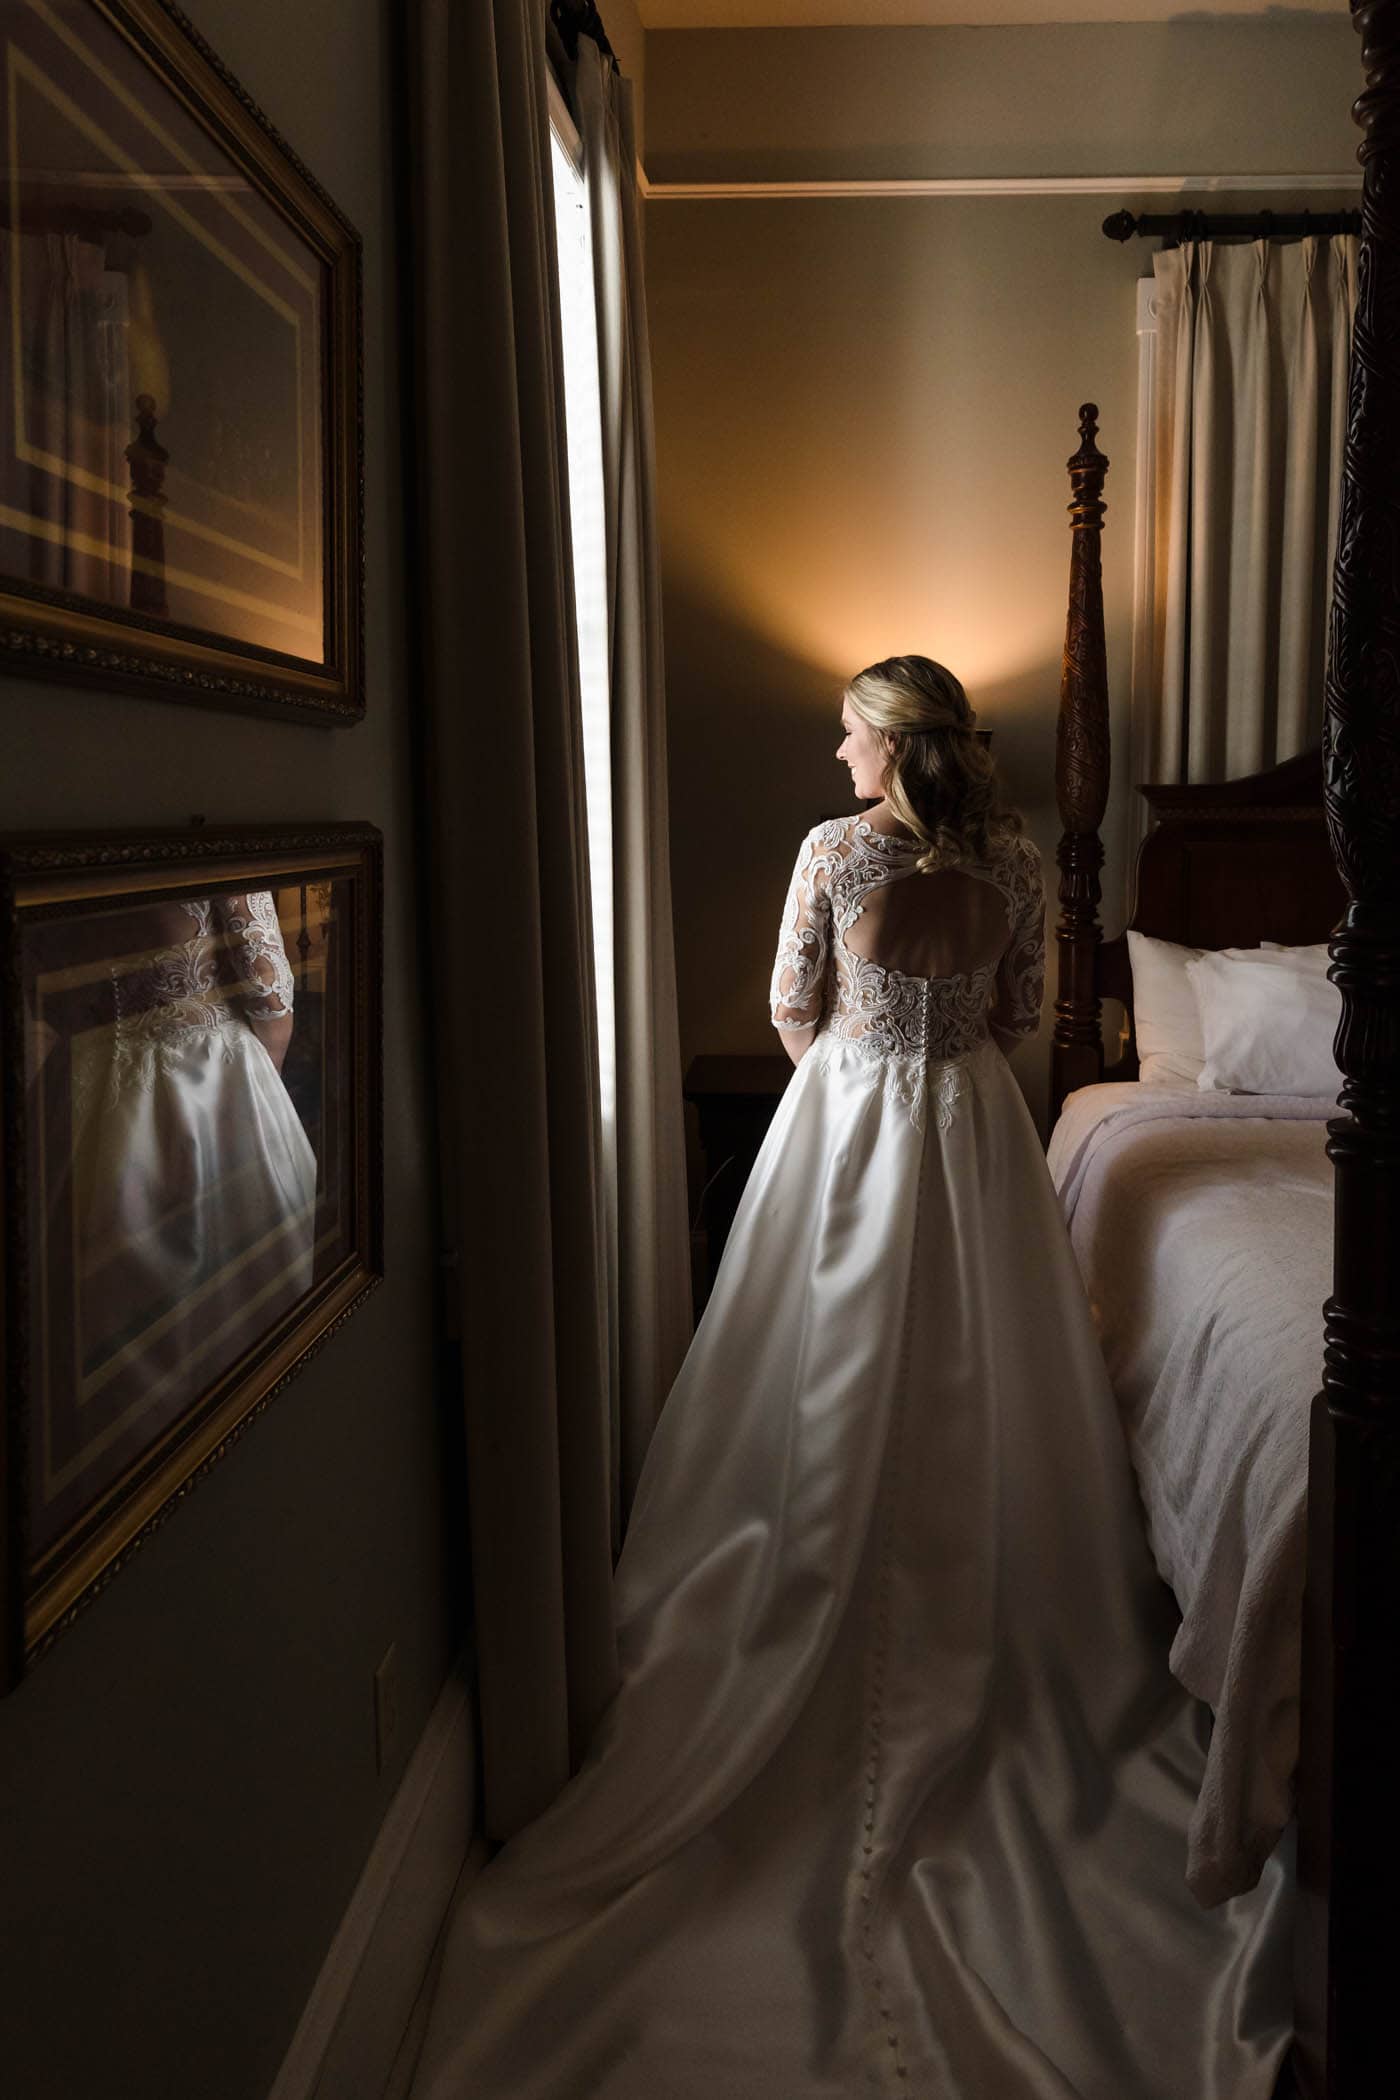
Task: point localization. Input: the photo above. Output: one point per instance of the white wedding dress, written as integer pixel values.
(194, 1181)
(893, 1797)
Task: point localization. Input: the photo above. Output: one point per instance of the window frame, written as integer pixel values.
(562, 124)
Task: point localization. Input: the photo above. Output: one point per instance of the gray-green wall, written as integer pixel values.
(187, 1782)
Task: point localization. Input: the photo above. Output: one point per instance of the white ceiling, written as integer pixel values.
(869, 14)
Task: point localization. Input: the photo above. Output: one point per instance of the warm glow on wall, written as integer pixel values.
(992, 647)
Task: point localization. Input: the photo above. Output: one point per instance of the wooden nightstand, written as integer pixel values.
(735, 1098)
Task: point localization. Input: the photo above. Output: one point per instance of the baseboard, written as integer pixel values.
(350, 2034)
(410, 2048)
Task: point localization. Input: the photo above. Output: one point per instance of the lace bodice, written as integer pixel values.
(231, 968)
(902, 1024)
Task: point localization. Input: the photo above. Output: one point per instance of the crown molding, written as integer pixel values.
(1003, 186)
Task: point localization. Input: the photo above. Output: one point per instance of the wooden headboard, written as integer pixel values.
(1225, 866)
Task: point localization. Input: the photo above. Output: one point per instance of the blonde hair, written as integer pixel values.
(941, 781)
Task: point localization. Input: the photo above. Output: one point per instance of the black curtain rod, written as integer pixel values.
(1173, 227)
(576, 18)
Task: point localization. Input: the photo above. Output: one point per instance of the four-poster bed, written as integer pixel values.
(1308, 850)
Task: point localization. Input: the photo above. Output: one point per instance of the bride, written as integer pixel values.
(893, 1797)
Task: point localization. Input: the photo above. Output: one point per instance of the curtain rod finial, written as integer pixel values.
(1120, 226)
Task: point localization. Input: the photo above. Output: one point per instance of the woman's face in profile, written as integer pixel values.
(866, 752)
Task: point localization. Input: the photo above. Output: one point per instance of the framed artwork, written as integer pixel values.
(181, 427)
(192, 1165)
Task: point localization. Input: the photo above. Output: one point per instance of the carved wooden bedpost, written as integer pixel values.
(1349, 1859)
(1081, 778)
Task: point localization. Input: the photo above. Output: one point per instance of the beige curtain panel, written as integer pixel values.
(651, 1308)
(510, 926)
(1238, 511)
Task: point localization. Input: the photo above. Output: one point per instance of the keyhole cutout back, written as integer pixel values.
(940, 925)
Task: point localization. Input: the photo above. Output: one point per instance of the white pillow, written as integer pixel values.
(1166, 1016)
(1166, 1013)
(1312, 958)
(1267, 1024)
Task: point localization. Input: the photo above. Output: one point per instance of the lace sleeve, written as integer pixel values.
(258, 959)
(799, 971)
(1020, 984)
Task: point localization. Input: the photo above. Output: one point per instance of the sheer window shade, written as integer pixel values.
(583, 420)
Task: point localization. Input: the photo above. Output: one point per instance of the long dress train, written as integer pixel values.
(893, 1797)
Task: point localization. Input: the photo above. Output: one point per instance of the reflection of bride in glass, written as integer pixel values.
(194, 1181)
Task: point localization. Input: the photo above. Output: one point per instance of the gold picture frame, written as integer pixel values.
(192, 1162)
(181, 420)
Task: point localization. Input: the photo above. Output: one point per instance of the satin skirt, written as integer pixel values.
(893, 1797)
(194, 1196)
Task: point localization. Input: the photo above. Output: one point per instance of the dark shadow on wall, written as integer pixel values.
(752, 727)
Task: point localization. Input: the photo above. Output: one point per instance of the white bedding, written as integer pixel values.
(1203, 1227)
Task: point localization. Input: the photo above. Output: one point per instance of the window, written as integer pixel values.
(583, 417)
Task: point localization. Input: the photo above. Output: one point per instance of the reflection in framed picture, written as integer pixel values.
(192, 1170)
(181, 485)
